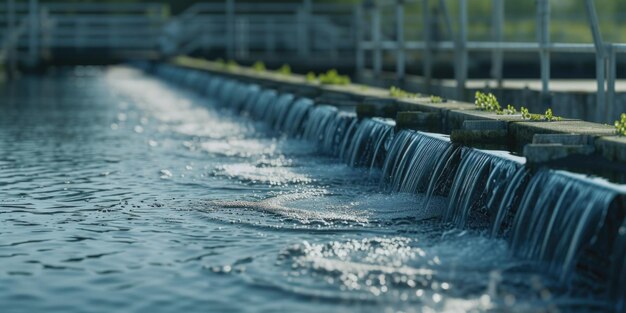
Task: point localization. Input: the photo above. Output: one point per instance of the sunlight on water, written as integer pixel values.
(130, 192)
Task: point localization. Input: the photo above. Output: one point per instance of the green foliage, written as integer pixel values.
(259, 66)
(486, 102)
(530, 116)
(285, 69)
(399, 93)
(311, 77)
(232, 65)
(435, 99)
(221, 62)
(510, 110)
(332, 77)
(550, 117)
(620, 125)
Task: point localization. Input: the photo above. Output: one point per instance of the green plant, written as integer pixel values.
(231, 65)
(510, 110)
(436, 99)
(259, 66)
(332, 77)
(399, 93)
(530, 116)
(285, 69)
(486, 102)
(550, 117)
(620, 125)
(310, 77)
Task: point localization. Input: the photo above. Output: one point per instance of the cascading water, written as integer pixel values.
(414, 162)
(560, 219)
(479, 187)
(366, 147)
(570, 223)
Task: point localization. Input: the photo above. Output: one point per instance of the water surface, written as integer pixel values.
(120, 192)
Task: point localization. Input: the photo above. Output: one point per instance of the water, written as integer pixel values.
(120, 191)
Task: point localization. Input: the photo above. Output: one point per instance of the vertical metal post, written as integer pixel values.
(461, 51)
(428, 55)
(600, 58)
(612, 75)
(12, 36)
(400, 56)
(543, 13)
(304, 19)
(33, 32)
(497, 26)
(358, 29)
(270, 43)
(230, 29)
(376, 34)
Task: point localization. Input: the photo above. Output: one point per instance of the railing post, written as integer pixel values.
(461, 53)
(427, 52)
(400, 56)
(543, 13)
(270, 41)
(230, 29)
(33, 32)
(610, 94)
(497, 26)
(12, 46)
(304, 19)
(600, 60)
(376, 34)
(359, 37)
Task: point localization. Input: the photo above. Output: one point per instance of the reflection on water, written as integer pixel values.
(121, 191)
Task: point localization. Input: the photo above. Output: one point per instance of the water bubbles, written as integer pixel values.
(114, 126)
(152, 143)
(436, 297)
(138, 129)
(122, 117)
(165, 174)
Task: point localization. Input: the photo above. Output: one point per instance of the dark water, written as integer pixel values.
(119, 192)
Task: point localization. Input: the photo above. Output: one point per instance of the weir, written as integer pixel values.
(569, 225)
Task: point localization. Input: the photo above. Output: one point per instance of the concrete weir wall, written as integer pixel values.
(569, 143)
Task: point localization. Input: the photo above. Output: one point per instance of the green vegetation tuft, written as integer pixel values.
(232, 65)
(620, 125)
(486, 102)
(435, 99)
(311, 77)
(551, 117)
(332, 77)
(259, 66)
(399, 93)
(285, 69)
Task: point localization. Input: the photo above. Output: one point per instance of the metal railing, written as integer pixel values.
(303, 30)
(242, 29)
(59, 27)
(605, 53)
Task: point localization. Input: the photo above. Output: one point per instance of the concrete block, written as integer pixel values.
(376, 107)
(425, 121)
(546, 152)
(484, 125)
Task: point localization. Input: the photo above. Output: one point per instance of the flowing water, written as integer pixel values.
(120, 191)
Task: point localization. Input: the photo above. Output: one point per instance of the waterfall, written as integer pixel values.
(278, 110)
(571, 223)
(617, 281)
(479, 187)
(326, 126)
(366, 143)
(293, 123)
(414, 161)
(560, 217)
